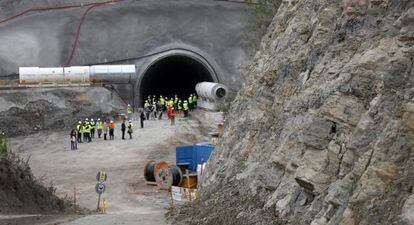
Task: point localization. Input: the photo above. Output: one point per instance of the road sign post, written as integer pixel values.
(100, 186)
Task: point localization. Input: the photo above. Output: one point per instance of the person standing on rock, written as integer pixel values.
(123, 128)
(142, 118)
(105, 129)
(130, 129)
(111, 130)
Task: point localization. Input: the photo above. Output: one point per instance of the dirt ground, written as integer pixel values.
(130, 200)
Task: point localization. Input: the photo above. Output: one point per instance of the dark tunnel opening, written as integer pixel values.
(173, 75)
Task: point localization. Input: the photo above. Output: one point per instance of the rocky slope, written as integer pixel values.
(322, 132)
(32, 110)
(20, 192)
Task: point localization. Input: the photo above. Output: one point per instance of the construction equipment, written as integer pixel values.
(210, 94)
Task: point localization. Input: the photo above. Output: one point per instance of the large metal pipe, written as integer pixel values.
(77, 75)
(211, 91)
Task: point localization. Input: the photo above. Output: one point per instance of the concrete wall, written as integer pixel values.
(217, 31)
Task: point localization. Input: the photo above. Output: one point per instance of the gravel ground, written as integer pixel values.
(130, 201)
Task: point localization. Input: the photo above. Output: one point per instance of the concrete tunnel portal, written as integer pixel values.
(175, 74)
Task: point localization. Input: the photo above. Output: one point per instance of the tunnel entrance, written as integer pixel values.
(173, 75)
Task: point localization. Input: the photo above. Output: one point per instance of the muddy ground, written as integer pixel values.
(130, 200)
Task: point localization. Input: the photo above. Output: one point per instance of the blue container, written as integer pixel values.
(202, 152)
(192, 155)
(184, 156)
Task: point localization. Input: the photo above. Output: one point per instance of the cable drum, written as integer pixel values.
(211, 91)
(149, 171)
(177, 175)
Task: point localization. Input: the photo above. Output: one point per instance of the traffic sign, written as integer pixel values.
(101, 176)
(100, 187)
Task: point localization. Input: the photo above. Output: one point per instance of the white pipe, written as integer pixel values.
(211, 91)
(76, 75)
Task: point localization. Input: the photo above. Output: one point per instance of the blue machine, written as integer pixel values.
(192, 155)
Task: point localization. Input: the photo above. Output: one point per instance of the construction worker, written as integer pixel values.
(154, 110)
(89, 131)
(142, 118)
(73, 141)
(195, 101)
(165, 104)
(190, 102)
(111, 130)
(129, 126)
(92, 124)
(105, 129)
(147, 109)
(159, 110)
(162, 101)
(186, 108)
(85, 129)
(79, 131)
(154, 99)
(172, 116)
(99, 126)
(171, 102)
(179, 106)
(129, 111)
(123, 128)
(175, 99)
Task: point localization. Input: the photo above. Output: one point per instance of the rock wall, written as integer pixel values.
(31, 110)
(322, 131)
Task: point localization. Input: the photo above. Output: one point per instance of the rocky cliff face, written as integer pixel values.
(323, 130)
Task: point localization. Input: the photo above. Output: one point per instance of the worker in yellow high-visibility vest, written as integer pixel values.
(79, 131)
(130, 110)
(195, 101)
(99, 127)
(171, 102)
(190, 102)
(179, 106)
(186, 108)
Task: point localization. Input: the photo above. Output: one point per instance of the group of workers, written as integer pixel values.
(155, 107)
(85, 131)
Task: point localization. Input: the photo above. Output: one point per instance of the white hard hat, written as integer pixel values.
(80, 122)
(112, 121)
(99, 119)
(129, 105)
(86, 119)
(92, 119)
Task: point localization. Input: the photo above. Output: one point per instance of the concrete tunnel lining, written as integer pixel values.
(173, 72)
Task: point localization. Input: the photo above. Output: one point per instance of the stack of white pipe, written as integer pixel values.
(80, 75)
